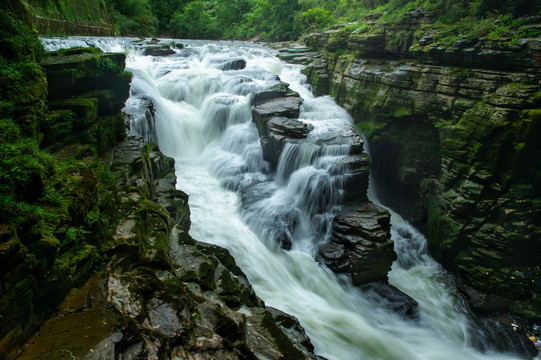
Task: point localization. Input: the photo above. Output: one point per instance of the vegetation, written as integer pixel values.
(278, 20)
(132, 17)
(54, 206)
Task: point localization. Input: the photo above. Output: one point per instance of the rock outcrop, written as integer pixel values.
(360, 245)
(164, 293)
(86, 93)
(452, 133)
(276, 114)
(117, 257)
(61, 226)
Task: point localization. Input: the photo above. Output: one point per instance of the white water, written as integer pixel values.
(203, 120)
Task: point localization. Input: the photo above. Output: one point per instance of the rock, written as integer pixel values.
(277, 122)
(236, 64)
(90, 69)
(391, 298)
(163, 318)
(140, 114)
(157, 50)
(266, 339)
(360, 245)
(85, 104)
(288, 107)
(292, 328)
(276, 91)
(356, 184)
(153, 173)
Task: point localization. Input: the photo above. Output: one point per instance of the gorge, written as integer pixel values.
(201, 117)
(259, 232)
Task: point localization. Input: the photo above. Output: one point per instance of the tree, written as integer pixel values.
(195, 21)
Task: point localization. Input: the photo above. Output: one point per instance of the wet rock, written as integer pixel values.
(391, 298)
(356, 184)
(293, 329)
(153, 173)
(266, 339)
(360, 245)
(280, 128)
(276, 91)
(288, 107)
(163, 318)
(236, 64)
(140, 114)
(277, 122)
(157, 50)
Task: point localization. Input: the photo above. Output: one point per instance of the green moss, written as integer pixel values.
(280, 339)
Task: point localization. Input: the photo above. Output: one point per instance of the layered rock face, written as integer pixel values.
(86, 92)
(453, 136)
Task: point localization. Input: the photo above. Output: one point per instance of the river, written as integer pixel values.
(203, 120)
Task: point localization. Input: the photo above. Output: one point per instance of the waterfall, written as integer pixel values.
(201, 116)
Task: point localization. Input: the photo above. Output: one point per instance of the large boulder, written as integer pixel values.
(276, 114)
(87, 90)
(360, 245)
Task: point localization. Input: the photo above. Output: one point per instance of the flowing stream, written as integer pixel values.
(203, 120)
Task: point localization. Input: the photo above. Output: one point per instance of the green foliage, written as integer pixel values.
(316, 18)
(17, 40)
(133, 17)
(164, 10)
(196, 21)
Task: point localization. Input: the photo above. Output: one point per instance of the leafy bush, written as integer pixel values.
(195, 21)
(317, 18)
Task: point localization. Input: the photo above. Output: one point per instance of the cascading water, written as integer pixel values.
(202, 118)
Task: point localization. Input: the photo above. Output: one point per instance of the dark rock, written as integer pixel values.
(360, 245)
(356, 184)
(276, 121)
(236, 64)
(391, 298)
(158, 50)
(280, 128)
(276, 91)
(153, 172)
(89, 69)
(444, 145)
(87, 90)
(140, 116)
(288, 107)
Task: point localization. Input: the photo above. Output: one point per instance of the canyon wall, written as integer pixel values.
(453, 132)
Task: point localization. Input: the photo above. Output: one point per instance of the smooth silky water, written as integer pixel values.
(203, 120)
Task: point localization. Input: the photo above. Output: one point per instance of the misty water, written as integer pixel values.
(203, 120)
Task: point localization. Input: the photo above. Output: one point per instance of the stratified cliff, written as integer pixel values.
(453, 132)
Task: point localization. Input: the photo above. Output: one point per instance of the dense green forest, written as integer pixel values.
(277, 20)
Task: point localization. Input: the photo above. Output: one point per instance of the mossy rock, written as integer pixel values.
(82, 71)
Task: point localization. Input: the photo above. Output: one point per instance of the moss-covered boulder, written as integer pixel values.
(87, 91)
